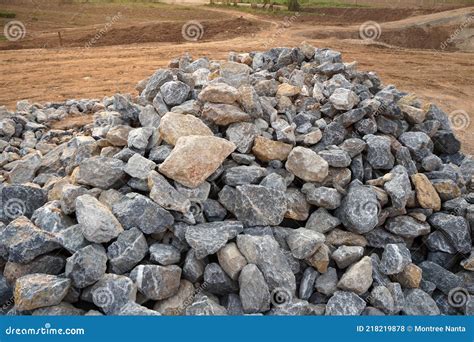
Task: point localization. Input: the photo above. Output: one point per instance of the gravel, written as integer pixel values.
(283, 182)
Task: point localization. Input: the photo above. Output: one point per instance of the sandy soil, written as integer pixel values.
(56, 74)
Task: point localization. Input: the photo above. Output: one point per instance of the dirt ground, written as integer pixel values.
(57, 73)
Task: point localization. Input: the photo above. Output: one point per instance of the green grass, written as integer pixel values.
(4, 14)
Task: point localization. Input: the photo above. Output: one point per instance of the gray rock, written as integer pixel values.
(307, 283)
(379, 154)
(399, 187)
(69, 195)
(39, 290)
(97, 221)
(135, 210)
(344, 303)
(304, 242)
(254, 292)
(326, 283)
(322, 196)
(25, 170)
(72, 239)
(166, 195)
(445, 280)
(164, 254)
(139, 167)
(21, 241)
(382, 299)
(208, 238)
(204, 306)
(127, 251)
(160, 77)
(217, 281)
(322, 221)
(112, 292)
(86, 266)
(418, 303)
(345, 256)
(418, 143)
(256, 205)
(101, 172)
(156, 282)
(174, 92)
(394, 258)
(241, 175)
(359, 208)
(455, 228)
(134, 309)
(50, 218)
(19, 200)
(336, 158)
(242, 135)
(265, 252)
(407, 226)
(343, 99)
(193, 268)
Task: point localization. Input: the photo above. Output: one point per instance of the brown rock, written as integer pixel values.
(307, 165)
(175, 305)
(447, 189)
(410, 277)
(174, 126)
(338, 237)
(118, 135)
(425, 192)
(298, 207)
(194, 158)
(219, 93)
(320, 259)
(223, 114)
(286, 89)
(358, 278)
(231, 260)
(266, 149)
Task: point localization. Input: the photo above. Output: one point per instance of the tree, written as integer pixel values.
(293, 5)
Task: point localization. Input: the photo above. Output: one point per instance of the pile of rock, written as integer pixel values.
(281, 183)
